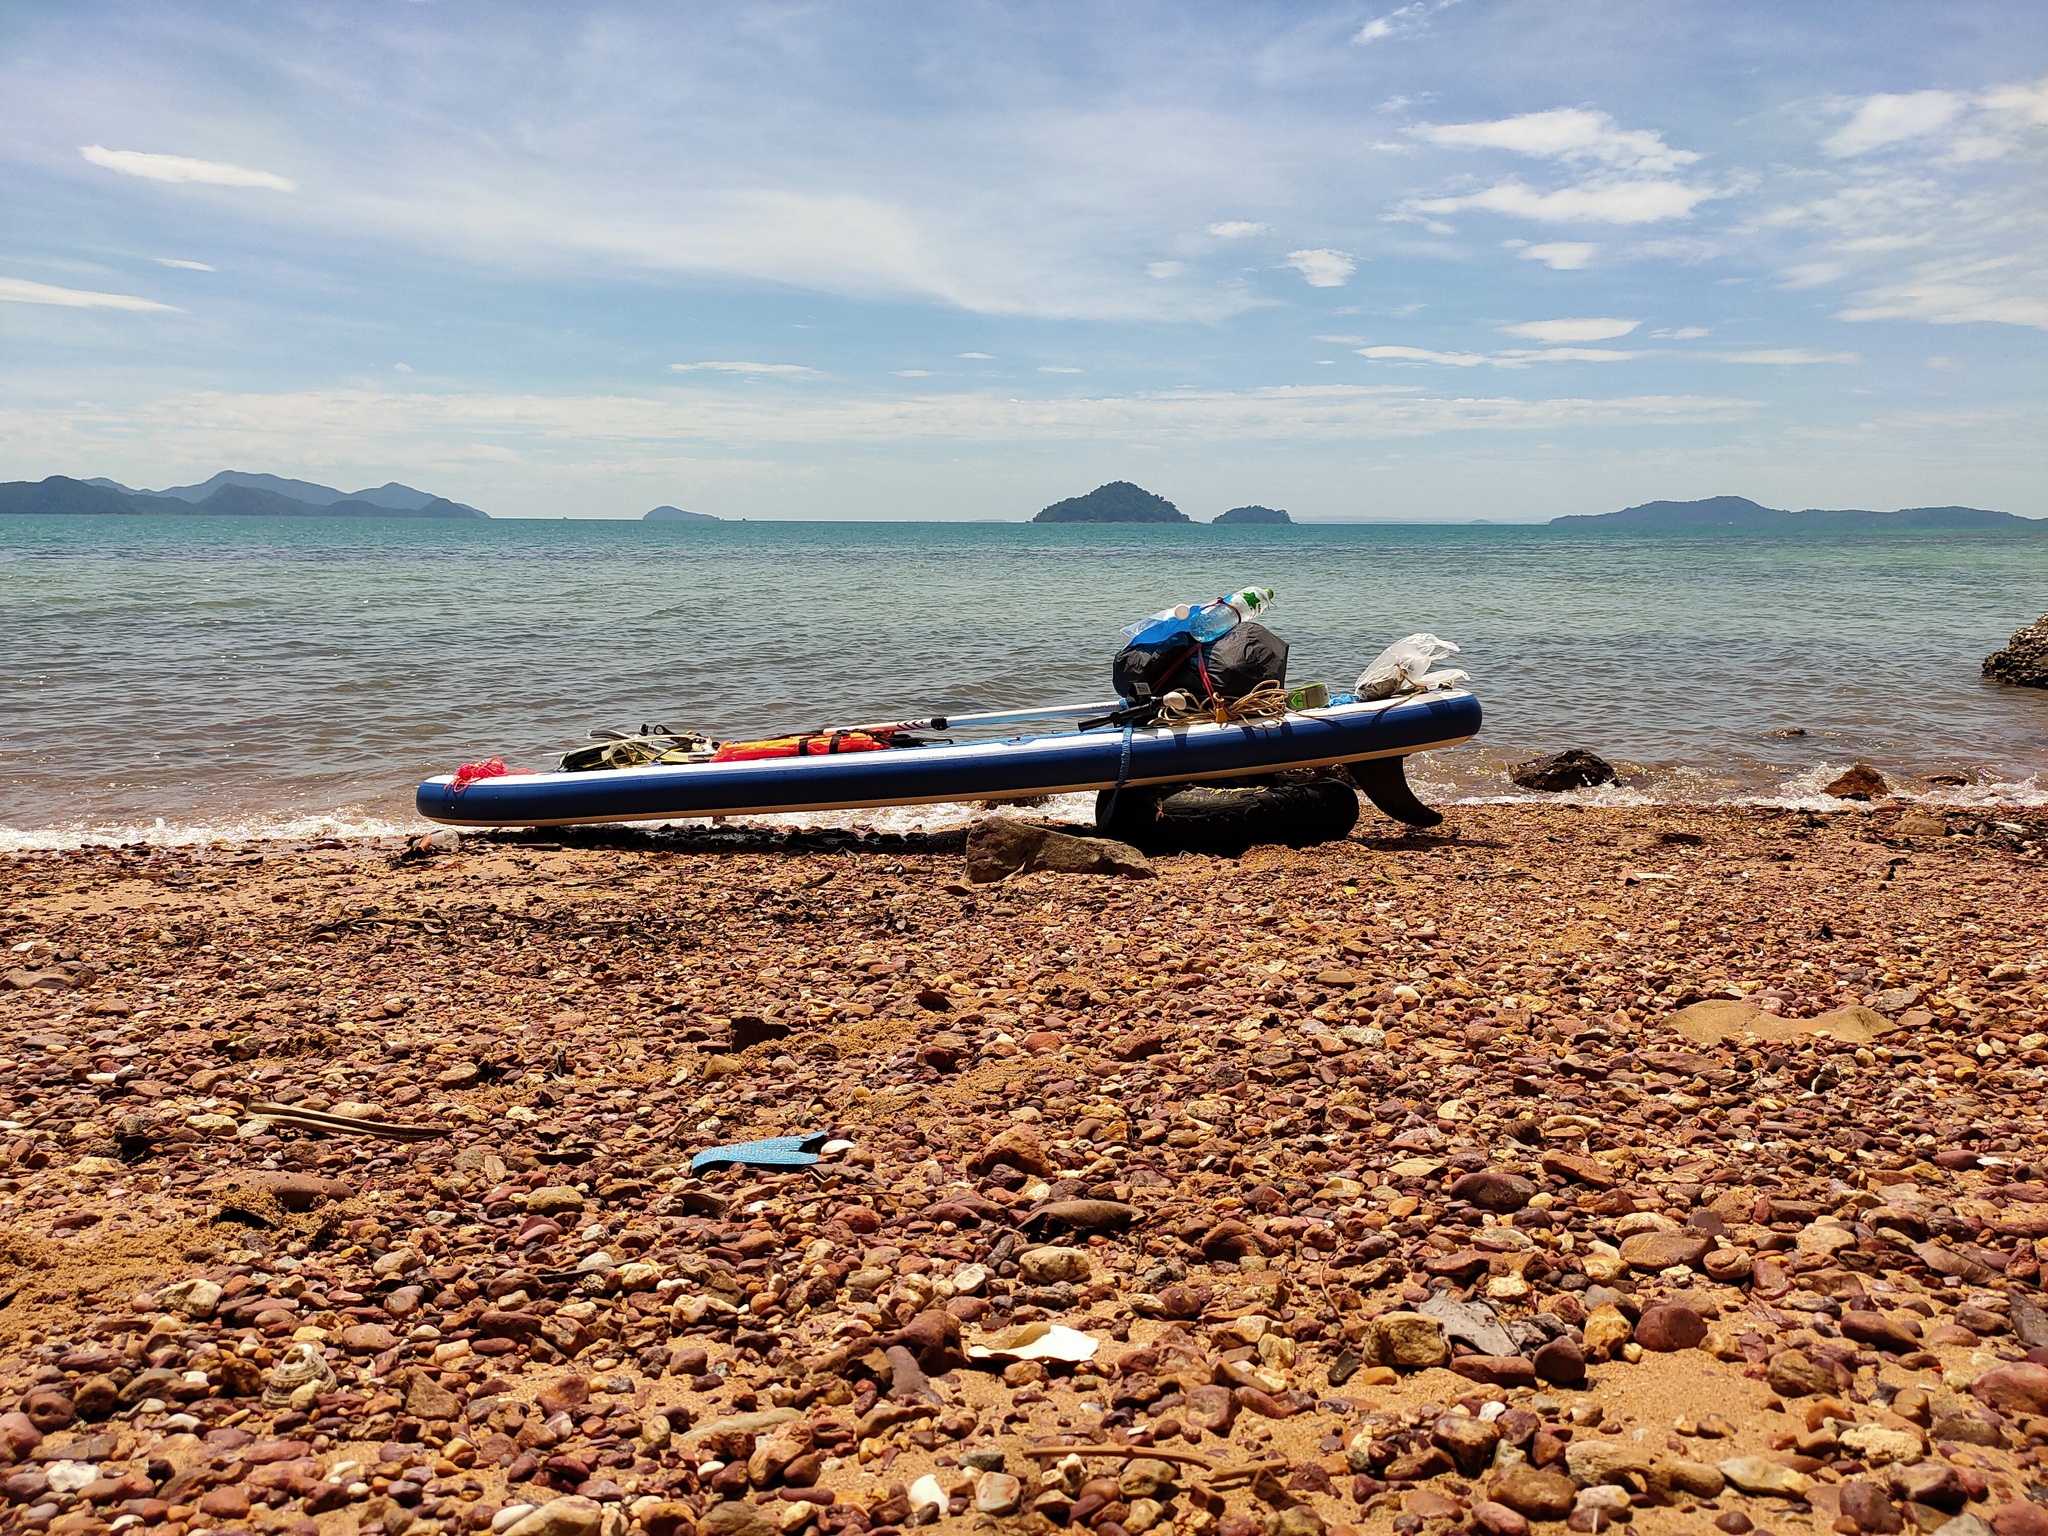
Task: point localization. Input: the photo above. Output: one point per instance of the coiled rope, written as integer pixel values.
(1268, 701)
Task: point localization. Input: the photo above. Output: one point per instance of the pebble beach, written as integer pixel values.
(1673, 1168)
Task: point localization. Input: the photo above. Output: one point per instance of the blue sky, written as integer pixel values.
(1447, 259)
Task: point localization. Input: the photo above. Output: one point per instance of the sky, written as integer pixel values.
(1441, 260)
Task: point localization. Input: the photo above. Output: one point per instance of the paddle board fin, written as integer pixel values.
(1385, 782)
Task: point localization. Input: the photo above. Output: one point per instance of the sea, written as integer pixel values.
(177, 680)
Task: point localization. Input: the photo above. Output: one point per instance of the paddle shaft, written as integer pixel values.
(1000, 717)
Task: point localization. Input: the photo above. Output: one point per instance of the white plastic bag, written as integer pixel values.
(1406, 667)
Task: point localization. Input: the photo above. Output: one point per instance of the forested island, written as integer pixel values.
(1117, 502)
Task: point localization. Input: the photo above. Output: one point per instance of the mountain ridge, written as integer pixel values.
(231, 493)
(1742, 513)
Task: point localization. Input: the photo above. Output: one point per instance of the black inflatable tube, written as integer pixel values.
(1228, 819)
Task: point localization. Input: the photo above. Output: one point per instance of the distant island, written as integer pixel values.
(676, 515)
(231, 493)
(1739, 512)
(1117, 502)
(1267, 515)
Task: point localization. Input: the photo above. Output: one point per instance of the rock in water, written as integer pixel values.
(1861, 782)
(1570, 769)
(2024, 660)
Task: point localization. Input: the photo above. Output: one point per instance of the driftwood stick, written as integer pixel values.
(319, 1120)
(1155, 1453)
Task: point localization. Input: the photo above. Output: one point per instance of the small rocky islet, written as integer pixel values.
(1570, 1168)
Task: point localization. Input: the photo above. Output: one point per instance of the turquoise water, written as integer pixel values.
(246, 674)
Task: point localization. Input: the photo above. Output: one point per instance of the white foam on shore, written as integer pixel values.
(1805, 791)
(348, 823)
(1681, 787)
(1808, 792)
(351, 824)
(948, 817)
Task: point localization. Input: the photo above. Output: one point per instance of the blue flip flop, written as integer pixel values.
(775, 1152)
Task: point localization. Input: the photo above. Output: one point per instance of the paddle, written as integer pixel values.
(999, 717)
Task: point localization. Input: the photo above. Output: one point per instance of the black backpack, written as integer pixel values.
(1228, 667)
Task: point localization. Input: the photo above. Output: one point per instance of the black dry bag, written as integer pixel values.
(1236, 662)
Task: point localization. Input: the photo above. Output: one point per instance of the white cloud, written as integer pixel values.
(188, 266)
(2003, 289)
(722, 367)
(1515, 358)
(911, 373)
(1598, 201)
(1322, 268)
(617, 433)
(1570, 330)
(1561, 255)
(401, 367)
(1165, 269)
(1629, 175)
(1685, 333)
(1563, 355)
(1811, 274)
(2027, 102)
(1953, 126)
(1782, 357)
(984, 357)
(1422, 355)
(1408, 21)
(134, 162)
(14, 290)
(1054, 368)
(1570, 134)
(1237, 229)
(1883, 120)
(1946, 226)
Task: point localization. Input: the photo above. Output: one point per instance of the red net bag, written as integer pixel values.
(469, 773)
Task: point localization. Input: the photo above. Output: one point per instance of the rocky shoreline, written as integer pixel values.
(2022, 661)
(1669, 1168)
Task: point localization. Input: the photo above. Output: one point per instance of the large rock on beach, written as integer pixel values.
(1407, 1340)
(2023, 660)
(999, 846)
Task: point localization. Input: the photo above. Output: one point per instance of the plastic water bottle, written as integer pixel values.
(1203, 621)
(1226, 613)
